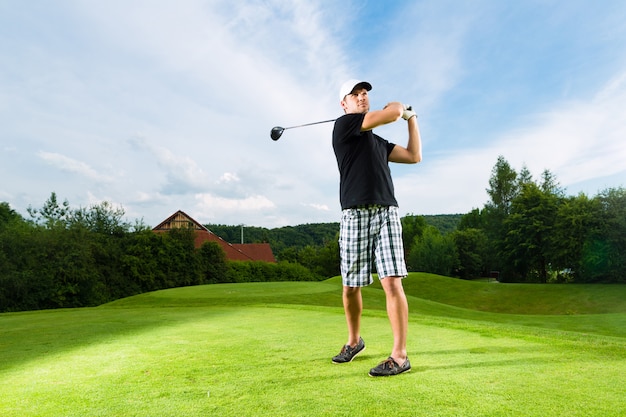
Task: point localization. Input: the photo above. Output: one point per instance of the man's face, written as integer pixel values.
(356, 102)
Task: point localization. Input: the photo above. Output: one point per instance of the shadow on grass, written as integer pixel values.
(513, 362)
(26, 337)
(29, 336)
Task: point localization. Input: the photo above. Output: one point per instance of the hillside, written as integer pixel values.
(250, 349)
(599, 309)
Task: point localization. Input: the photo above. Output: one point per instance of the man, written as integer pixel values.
(370, 227)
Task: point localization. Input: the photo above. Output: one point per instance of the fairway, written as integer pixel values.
(264, 349)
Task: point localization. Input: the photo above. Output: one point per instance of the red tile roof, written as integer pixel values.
(236, 252)
(258, 251)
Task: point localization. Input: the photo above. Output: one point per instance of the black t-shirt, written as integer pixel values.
(362, 158)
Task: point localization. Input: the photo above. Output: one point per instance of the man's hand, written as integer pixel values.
(408, 112)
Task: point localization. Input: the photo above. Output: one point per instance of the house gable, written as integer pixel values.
(178, 220)
(238, 252)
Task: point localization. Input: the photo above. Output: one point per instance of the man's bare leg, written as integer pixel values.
(398, 312)
(353, 306)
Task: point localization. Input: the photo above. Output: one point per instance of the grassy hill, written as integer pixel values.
(477, 349)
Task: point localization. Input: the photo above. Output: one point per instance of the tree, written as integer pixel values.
(51, 215)
(412, 228)
(528, 230)
(328, 262)
(179, 262)
(471, 246)
(433, 253)
(478, 253)
(100, 218)
(8, 215)
(550, 185)
(502, 186)
(524, 177)
(472, 220)
(577, 219)
(604, 252)
(212, 263)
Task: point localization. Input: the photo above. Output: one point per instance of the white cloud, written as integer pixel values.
(319, 207)
(228, 177)
(213, 208)
(70, 165)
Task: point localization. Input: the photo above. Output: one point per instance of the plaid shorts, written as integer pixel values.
(371, 233)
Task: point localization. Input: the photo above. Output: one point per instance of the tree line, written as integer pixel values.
(528, 231)
(531, 231)
(61, 258)
(316, 245)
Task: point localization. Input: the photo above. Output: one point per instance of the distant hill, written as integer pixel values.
(313, 234)
(446, 223)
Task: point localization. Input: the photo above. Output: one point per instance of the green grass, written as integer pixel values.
(264, 349)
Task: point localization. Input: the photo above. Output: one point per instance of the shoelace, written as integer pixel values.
(389, 364)
(348, 348)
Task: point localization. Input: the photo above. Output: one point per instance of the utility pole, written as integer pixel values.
(242, 233)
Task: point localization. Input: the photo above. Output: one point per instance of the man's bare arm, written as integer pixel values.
(389, 114)
(412, 154)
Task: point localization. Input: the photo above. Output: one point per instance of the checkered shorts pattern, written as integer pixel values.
(367, 234)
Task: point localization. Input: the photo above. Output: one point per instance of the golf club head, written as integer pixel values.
(277, 132)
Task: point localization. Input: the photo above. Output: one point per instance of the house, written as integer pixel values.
(236, 252)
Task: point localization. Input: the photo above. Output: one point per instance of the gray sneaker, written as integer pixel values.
(348, 352)
(390, 367)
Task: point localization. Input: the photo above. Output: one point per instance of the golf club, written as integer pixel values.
(277, 131)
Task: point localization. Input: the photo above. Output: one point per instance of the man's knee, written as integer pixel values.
(351, 291)
(392, 285)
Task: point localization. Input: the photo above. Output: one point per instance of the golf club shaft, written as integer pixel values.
(310, 124)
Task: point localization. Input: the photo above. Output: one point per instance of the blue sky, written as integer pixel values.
(157, 106)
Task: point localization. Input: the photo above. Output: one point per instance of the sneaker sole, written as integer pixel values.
(355, 355)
